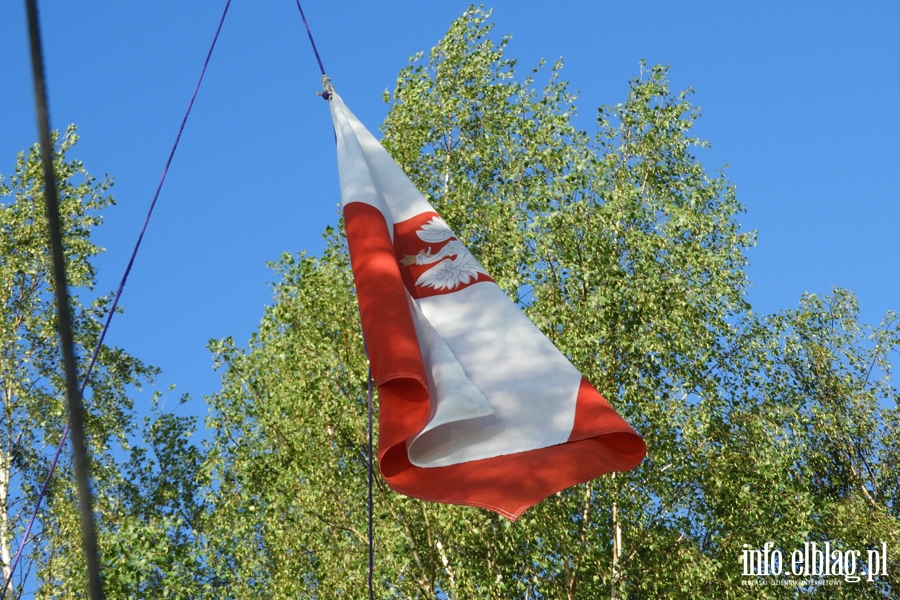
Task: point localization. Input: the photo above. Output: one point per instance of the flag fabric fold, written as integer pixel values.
(476, 405)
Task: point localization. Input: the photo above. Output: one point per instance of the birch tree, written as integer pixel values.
(34, 412)
(142, 501)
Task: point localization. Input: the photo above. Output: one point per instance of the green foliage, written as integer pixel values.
(474, 139)
(289, 441)
(149, 518)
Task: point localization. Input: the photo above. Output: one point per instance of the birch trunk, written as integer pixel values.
(617, 553)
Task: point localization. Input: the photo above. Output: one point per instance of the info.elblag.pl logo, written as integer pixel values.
(815, 560)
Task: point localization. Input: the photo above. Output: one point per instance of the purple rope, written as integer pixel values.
(112, 309)
(311, 41)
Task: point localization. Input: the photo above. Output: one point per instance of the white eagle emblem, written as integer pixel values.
(446, 274)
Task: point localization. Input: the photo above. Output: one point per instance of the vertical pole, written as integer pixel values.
(73, 394)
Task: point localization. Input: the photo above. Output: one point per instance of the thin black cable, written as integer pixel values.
(371, 478)
(73, 393)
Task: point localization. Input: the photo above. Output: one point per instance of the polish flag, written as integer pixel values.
(476, 405)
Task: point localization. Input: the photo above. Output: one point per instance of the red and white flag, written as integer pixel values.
(476, 405)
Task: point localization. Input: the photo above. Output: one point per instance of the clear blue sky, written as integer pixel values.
(799, 98)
